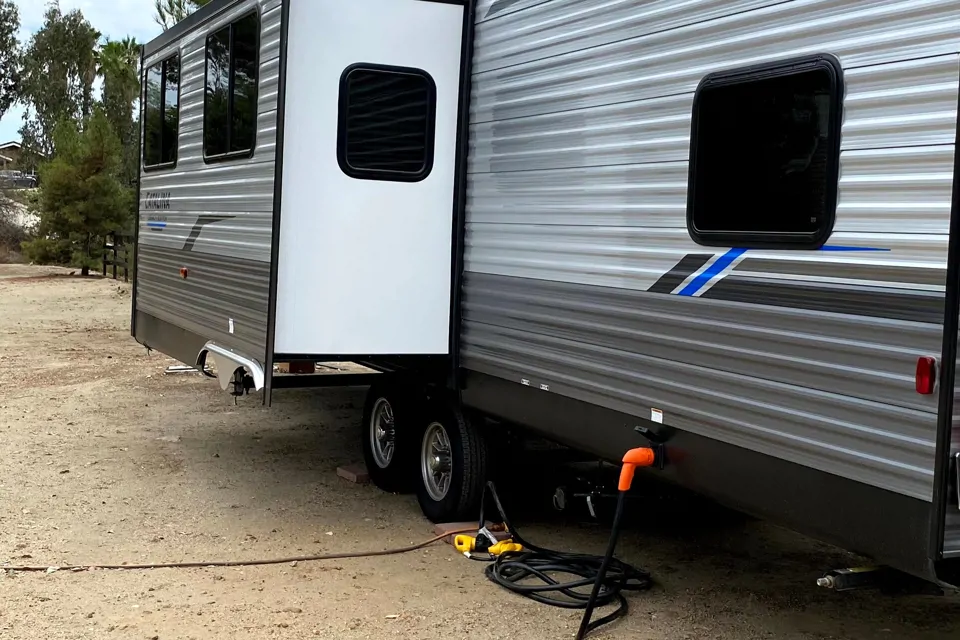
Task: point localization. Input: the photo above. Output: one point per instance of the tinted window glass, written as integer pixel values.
(230, 106)
(216, 104)
(171, 110)
(244, 108)
(152, 128)
(161, 113)
(386, 123)
(765, 154)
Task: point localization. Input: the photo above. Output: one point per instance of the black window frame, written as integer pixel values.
(343, 106)
(163, 106)
(744, 75)
(245, 153)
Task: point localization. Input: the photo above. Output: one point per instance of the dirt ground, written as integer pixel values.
(105, 459)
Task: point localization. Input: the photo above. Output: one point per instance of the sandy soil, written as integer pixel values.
(105, 459)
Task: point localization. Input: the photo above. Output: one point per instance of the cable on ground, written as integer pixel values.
(236, 563)
(533, 573)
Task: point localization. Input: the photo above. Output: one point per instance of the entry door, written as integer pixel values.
(369, 150)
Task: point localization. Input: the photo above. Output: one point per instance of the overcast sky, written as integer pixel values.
(113, 18)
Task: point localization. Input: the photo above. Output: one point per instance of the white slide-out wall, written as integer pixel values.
(364, 265)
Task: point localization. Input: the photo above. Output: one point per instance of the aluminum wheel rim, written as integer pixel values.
(436, 461)
(382, 433)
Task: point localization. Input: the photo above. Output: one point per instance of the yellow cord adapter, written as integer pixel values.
(470, 544)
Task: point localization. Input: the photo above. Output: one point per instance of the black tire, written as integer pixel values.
(469, 460)
(395, 473)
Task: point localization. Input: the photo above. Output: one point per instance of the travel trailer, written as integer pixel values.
(732, 224)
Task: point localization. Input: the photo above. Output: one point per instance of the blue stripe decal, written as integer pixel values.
(835, 247)
(159, 225)
(712, 271)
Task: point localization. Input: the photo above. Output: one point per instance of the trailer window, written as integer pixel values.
(386, 126)
(764, 157)
(230, 100)
(161, 114)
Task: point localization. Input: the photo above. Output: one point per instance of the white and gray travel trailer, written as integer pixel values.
(730, 222)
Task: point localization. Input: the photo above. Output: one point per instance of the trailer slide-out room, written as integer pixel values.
(731, 222)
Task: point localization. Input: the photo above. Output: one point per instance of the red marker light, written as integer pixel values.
(183, 272)
(926, 375)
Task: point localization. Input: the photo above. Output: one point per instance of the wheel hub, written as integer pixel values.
(436, 462)
(382, 433)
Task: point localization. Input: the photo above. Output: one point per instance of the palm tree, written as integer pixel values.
(118, 63)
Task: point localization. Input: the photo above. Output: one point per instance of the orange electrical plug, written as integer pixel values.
(640, 457)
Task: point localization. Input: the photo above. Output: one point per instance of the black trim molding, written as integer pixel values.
(768, 240)
(167, 338)
(948, 363)
(268, 356)
(461, 164)
(136, 219)
(889, 527)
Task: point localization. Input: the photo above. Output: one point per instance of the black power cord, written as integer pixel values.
(533, 573)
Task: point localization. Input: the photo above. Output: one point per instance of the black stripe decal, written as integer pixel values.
(198, 227)
(499, 6)
(874, 302)
(680, 272)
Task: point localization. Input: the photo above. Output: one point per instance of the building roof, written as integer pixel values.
(12, 143)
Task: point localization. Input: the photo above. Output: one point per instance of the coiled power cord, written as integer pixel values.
(535, 572)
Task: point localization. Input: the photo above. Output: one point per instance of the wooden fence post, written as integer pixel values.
(116, 253)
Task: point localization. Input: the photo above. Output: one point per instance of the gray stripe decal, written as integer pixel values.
(914, 306)
(198, 227)
(680, 272)
(846, 271)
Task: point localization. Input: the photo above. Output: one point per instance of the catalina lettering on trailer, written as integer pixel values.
(156, 201)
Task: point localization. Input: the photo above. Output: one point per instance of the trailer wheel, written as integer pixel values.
(454, 455)
(390, 436)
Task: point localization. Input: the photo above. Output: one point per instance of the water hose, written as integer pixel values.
(533, 572)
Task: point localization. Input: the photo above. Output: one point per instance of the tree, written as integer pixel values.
(170, 12)
(81, 196)
(119, 66)
(59, 67)
(9, 54)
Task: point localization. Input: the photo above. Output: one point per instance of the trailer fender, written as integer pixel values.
(227, 362)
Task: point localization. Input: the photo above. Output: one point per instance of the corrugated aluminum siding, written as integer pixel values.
(576, 206)
(220, 220)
